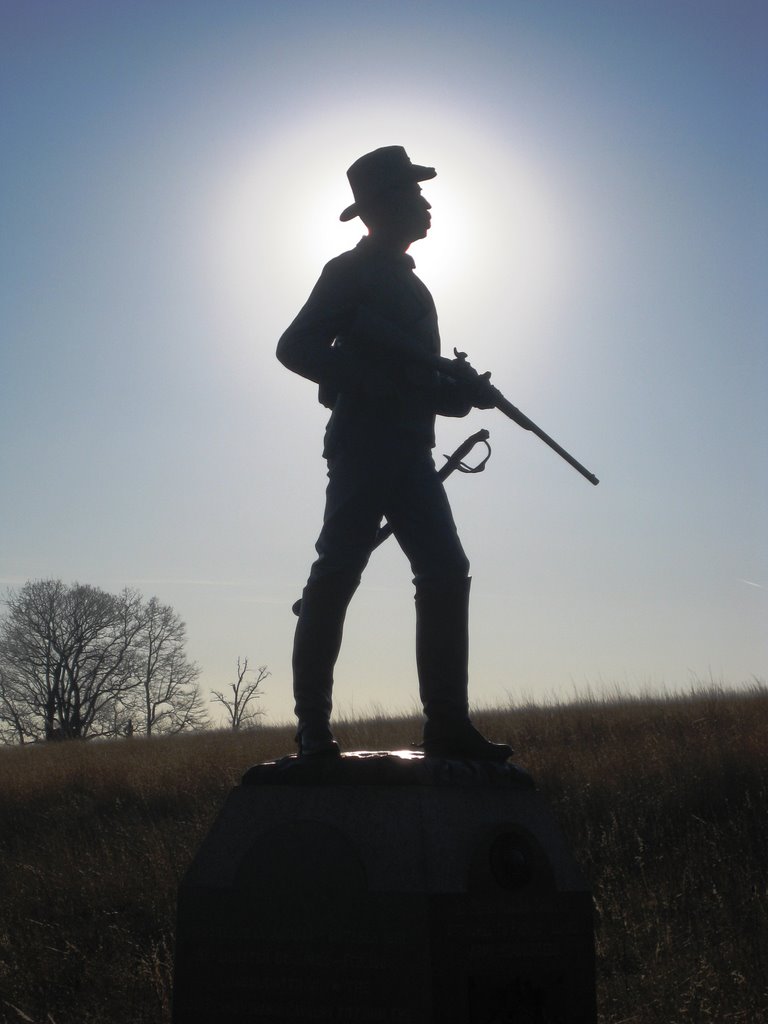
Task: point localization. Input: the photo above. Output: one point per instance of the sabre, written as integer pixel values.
(451, 464)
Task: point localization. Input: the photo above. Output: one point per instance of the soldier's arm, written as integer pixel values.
(339, 306)
(456, 385)
(306, 347)
(377, 333)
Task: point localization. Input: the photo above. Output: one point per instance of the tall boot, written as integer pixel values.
(316, 647)
(442, 659)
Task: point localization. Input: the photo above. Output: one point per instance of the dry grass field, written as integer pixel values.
(664, 801)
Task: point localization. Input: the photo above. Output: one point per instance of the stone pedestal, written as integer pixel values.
(384, 888)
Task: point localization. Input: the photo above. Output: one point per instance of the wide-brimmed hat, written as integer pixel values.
(379, 171)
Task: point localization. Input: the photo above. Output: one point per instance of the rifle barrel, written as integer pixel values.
(505, 406)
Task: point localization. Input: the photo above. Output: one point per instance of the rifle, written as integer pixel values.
(453, 462)
(381, 334)
(505, 406)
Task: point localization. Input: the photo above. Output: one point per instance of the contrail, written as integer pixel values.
(750, 583)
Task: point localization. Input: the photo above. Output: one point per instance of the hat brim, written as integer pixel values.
(414, 173)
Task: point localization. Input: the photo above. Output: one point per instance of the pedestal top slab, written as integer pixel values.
(386, 768)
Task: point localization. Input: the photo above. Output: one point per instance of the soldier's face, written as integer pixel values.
(407, 212)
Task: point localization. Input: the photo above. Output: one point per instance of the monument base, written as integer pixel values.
(384, 887)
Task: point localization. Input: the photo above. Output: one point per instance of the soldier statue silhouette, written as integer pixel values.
(368, 336)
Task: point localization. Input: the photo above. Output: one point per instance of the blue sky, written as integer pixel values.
(171, 180)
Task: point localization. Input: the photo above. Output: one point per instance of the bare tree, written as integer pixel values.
(16, 717)
(239, 706)
(77, 662)
(66, 650)
(168, 691)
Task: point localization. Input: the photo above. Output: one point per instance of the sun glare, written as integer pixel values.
(495, 248)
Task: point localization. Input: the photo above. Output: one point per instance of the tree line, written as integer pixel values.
(77, 662)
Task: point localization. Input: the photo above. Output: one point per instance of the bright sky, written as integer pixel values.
(170, 185)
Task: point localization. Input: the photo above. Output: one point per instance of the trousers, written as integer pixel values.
(403, 487)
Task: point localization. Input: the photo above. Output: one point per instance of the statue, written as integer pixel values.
(368, 337)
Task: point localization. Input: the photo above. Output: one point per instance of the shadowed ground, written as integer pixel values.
(663, 802)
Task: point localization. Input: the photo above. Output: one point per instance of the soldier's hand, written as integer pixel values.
(478, 384)
(475, 387)
(458, 369)
(455, 369)
(482, 392)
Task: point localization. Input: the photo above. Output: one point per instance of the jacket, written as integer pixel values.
(368, 335)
